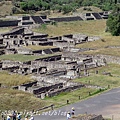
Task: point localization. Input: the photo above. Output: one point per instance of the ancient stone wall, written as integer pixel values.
(27, 85)
(99, 117)
(93, 38)
(67, 19)
(7, 63)
(66, 89)
(54, 65)
(46, 88)
(80, 38)
(88, 117)
(62, 44)
(108, 58)
(9, 23)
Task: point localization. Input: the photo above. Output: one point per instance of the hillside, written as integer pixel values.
(107, 45)
(96, 28)
(5, 8)
(47, 7)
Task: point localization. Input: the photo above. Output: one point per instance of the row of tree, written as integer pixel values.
(65, 5)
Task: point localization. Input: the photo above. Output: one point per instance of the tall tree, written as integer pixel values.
(113, 22)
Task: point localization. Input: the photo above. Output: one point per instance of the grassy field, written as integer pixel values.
(105, 41)
(9, 80)
(103, 80)
(23, 58)
(104, 51)
(18, 57)
(19, 100)
(39, 47)
(5, 29)
(96, 27)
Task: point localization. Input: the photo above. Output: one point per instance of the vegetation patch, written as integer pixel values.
(94, 27)
(104, 51)
(39, 47)
(19, 100)
(5, 8)
(23, 58)
(8, 80)
(105, 41)
(18, 57)
(103, 80)
(73, 96)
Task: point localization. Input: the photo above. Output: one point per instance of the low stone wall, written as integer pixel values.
(67, 19)
(109, 59)
(25, 86)
(99, 117)
(9, 23)
(51, 58)
(55, 65)
(93, 38)
(55, 50)
(46, 88)
(9, 63)
(62, 44)
(66, 89)
(88, 117)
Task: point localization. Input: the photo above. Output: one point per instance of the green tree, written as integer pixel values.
(64, 5)
(24, 5)
(67, 9)
(113, 22)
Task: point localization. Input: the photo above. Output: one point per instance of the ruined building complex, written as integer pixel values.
(53, 74)
(54, 67)
(37, 20)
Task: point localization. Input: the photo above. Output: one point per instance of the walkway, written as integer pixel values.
(107, 104)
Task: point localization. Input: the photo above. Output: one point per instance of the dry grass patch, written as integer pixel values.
(39, 47)
(19, 100)
(105, 41)
(5, 8)
(13, 79)
(5, 29)
(101, 46)
(95, 27)
(104, 51)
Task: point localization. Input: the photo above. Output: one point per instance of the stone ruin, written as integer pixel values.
(36, 21)
(15, 42)
(95, 16)
(88, 117)
(53, 73)
(49, 86)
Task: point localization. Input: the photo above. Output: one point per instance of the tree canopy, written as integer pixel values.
(113, 22)
(65, 5)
